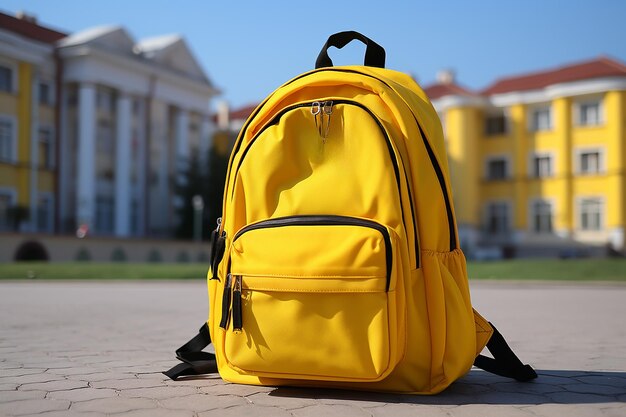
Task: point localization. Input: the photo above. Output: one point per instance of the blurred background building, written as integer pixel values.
(97, 130)
(105, 136)
(538, 161)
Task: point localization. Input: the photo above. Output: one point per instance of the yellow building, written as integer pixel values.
(538, 161)
(28, 74)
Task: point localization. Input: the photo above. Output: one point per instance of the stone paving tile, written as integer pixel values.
(108, 370)
(129, 383)
(593, 389)
(82, 394)
(158, 393)
(200, 382)
(202, 402)
(114, 405)
(247, 410)
(578, 398)
(40, 377)
(157, 413)
(482, 410)
(60, 385)
(336, 410)
(600, 380)
(70, 413)
(282, 401)
(101, 376)
(22, 371)
(615, 412)
(33, 406)
(235, 389)
(8, 396)
(566, 410)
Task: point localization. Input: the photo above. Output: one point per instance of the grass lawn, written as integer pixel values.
(550, 269)
(526, 269)
(95, 270)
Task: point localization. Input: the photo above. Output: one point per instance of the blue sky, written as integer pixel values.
(248, 48)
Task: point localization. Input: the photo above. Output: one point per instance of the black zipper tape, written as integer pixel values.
(226, 303)
(326, 220)
(237, 313)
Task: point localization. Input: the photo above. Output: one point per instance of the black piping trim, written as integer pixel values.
(442, 182)
(327, 220)
(432, 157)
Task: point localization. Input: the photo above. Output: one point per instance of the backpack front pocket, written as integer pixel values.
(312, 297)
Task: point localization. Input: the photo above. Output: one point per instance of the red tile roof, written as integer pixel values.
(242, 113)
(436, 91)
(30, 29)
(596, 68)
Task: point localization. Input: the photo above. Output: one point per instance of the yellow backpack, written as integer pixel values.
(337, 260)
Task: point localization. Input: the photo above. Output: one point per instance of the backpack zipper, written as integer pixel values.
(327, 220)
(237, 314)
(431, 155)
(226, 302)
(326, 107)
(234, 283)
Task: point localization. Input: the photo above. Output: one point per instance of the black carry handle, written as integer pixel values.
(374, 53)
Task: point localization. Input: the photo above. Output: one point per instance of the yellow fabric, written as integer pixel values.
(379, 301)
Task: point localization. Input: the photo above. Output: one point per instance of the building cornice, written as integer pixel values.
(134, 64)
(451, 101)
(571, 89)
(17, 47)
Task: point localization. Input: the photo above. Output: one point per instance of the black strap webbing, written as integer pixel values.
(504, 361)
(195, 361)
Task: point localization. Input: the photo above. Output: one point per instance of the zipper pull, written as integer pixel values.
(218, 246)
(327, 110)
(226, 302)
(237, 315)
(316, 109)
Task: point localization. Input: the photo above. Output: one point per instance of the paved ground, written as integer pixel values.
(92, 349)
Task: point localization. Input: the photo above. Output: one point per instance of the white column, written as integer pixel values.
(141, 166)
(34, 153)
(86, 164)
(122, 166)
(182, 136)
(62, 161)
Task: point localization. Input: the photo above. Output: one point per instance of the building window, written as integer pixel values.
(590, 161)
(541, 119)
(495, 124)
(589, 113)
(541, 166)
(6, 79)
(44, 213)
(46, 148)
(45, 93)
(498, 218)
(541, 212)
(7, 202)
(104, 215)
(7, 140)
(591, 213)
(497, 169)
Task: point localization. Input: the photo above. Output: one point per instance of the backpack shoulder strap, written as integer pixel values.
(504, 362)
(194, 360)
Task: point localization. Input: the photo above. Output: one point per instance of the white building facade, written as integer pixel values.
(132, 115)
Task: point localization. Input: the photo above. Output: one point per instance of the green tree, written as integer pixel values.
(209, 184)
